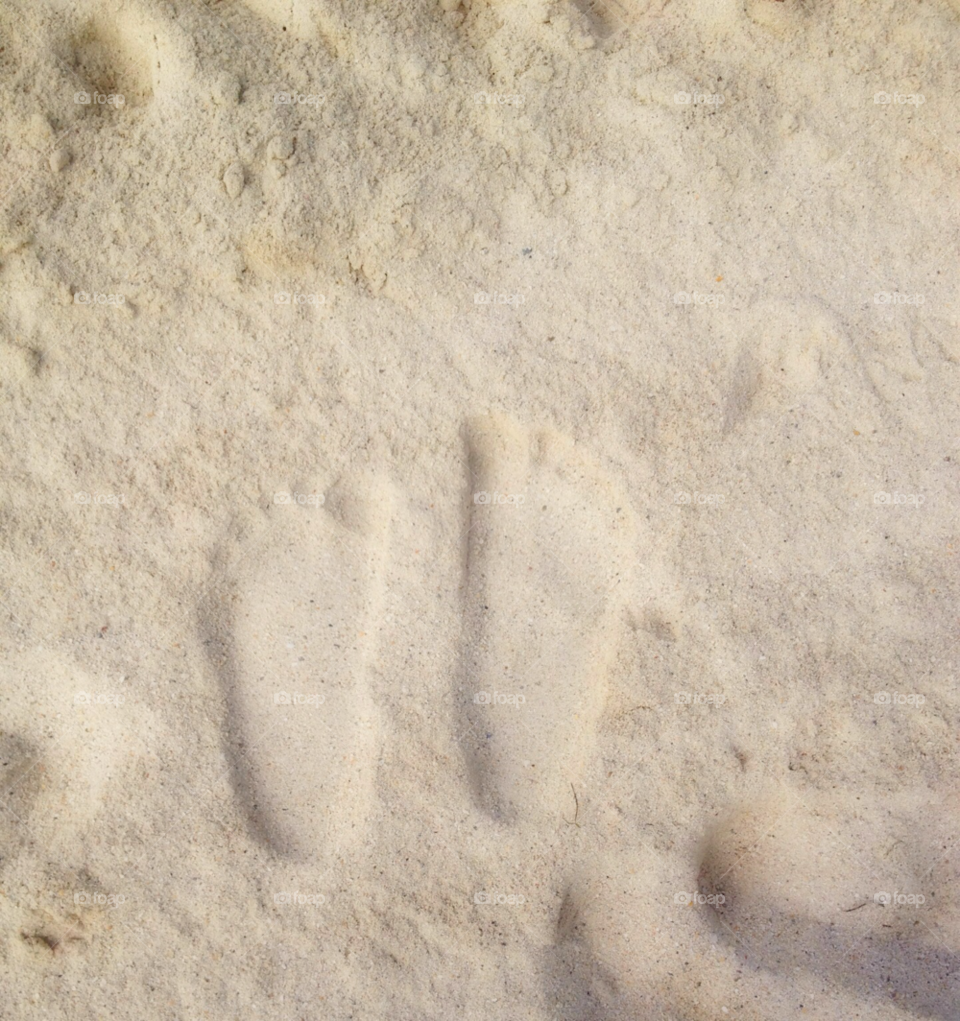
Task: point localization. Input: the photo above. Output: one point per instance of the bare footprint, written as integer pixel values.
(296, 622)
(67, 739)
(839, 885)
(548, 556)
(603, 964)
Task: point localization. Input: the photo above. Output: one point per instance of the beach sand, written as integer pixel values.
(478, 510)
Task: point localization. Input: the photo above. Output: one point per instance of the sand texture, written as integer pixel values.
(479, 515)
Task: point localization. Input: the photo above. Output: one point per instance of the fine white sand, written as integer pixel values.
(479, 510)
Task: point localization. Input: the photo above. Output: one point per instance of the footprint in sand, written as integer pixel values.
(21, 781)
(548, 552)
(124, 59)
(840, 884)
(70, 745)
(794, 349)
(67, 741)
(295, 623)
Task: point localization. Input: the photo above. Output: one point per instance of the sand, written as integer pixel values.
(478, 500)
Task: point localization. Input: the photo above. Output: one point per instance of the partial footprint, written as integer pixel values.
(297, 622)
(792, 349)
(839, 886)
(67, 738)
(109, 67)
(548, 558)
(21, 779)
(606, 963)
(606, 17)
(59, 909)
(125, 58)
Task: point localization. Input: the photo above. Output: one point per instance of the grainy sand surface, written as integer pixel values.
(479, 510)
